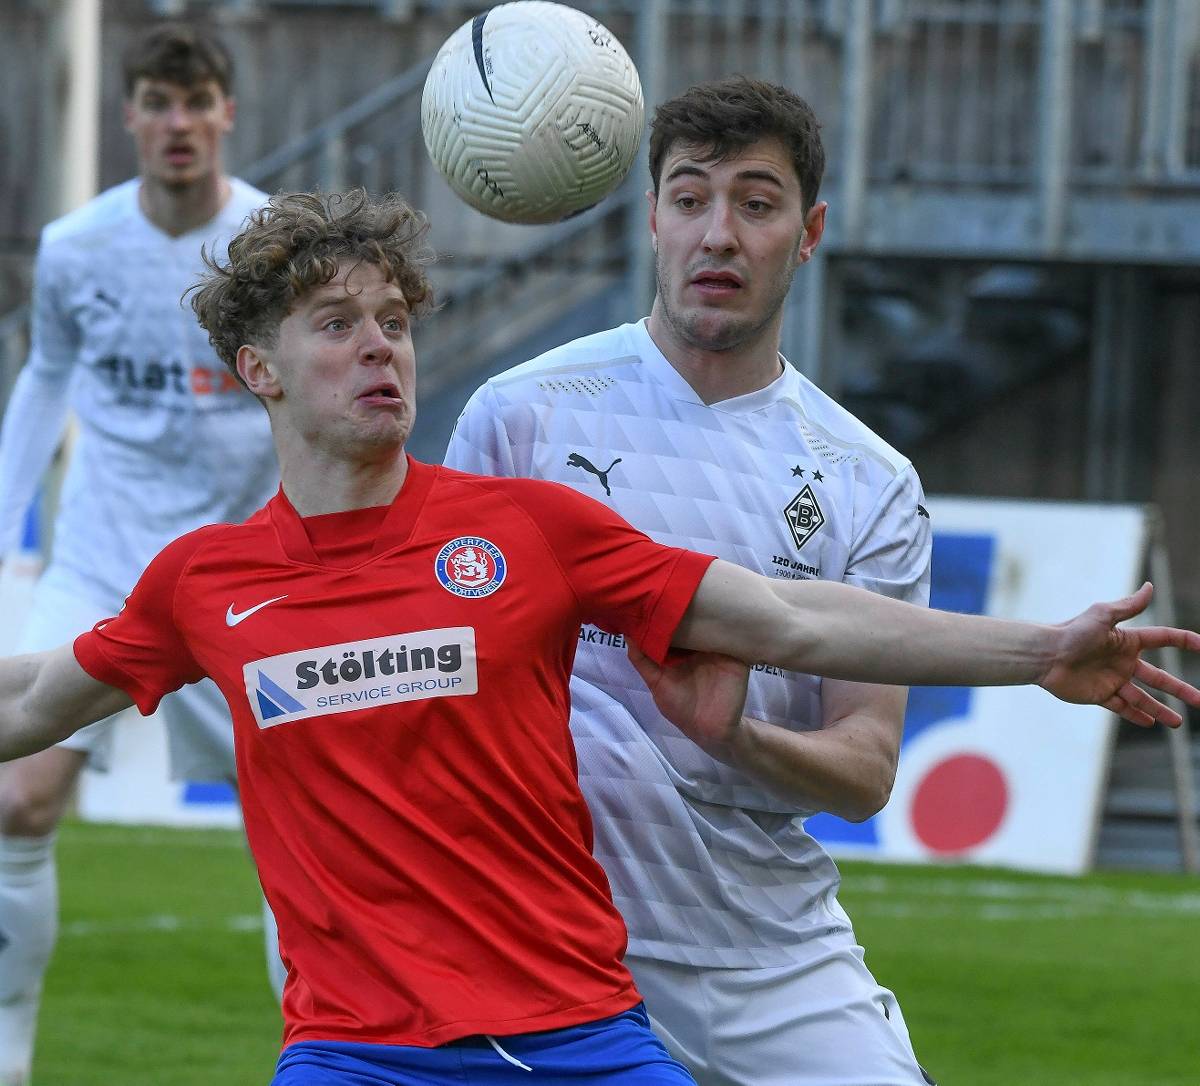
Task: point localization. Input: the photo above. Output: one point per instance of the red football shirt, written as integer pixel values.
(407, 775)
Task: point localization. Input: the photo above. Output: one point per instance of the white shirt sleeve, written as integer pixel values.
(37, 409)
(480, 442)
(891, 551)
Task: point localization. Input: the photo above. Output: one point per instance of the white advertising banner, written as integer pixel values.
(1006, 776)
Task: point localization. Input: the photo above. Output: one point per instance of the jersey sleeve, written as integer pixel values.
(37, 409)
(142, 650)
(480, 442)
(623, 579)
(891, 552)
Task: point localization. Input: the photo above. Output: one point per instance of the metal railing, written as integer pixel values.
(1029, 108)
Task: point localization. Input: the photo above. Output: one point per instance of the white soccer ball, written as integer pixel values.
(532, 112)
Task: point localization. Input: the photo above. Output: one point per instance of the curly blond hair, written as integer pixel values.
(296, 243)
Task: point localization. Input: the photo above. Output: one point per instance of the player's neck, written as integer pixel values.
(176, 210)
(329, 485)
(719, 375)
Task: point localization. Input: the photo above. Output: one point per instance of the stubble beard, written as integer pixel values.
(713, 330)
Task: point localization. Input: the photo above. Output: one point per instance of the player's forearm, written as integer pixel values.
(47, 696)
(21, 733)
(849, 633)
(839, 771)
(835, 630)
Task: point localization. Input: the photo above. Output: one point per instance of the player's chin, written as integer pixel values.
(717, 331)
(378, 424)
(390, 428)
(178, 177)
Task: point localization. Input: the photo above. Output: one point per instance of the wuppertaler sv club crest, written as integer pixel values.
(470, 566)
(803, 516)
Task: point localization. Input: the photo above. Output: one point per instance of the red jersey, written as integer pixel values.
(406, 770)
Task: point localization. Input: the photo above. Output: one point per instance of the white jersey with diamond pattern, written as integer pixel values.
(707, 867)
(166, 440)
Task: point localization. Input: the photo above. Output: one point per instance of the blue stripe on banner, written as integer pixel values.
(285, 701)
(962, 571)
(209, 793)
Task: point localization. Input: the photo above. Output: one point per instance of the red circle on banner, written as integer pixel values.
(960, 803)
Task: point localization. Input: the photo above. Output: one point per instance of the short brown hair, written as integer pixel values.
(179, 53)
(296, 243)
(725, 116)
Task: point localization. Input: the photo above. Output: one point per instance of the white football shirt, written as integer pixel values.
(707, 866)
(167, 438)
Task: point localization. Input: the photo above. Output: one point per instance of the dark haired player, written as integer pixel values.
(749, 964)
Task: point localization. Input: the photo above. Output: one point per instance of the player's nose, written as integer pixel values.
(374, 346)
(720, 233)
(179, 116)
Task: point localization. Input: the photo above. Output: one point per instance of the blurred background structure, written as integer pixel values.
(1009, 286)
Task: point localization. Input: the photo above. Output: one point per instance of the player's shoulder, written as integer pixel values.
(218, 547)
(536, 497)
(225, 537)
(838, 435)
(182, 551)
(198, 561)
(583, 364)
(502, 486)
(111, 210)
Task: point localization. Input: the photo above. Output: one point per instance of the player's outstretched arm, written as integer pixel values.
(47, 696)
(825, 628)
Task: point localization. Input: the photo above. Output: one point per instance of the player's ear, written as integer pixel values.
(652, 200)
(230, 113)
(814, 227)
(258, 372)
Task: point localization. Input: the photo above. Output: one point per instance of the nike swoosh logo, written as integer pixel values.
(232, 617)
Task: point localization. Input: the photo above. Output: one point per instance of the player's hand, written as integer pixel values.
(1099, 662)
(703, 695)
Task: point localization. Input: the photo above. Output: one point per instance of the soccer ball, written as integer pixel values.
(532, 112)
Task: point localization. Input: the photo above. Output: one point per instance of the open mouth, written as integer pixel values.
(717, 281)
(179, 153)
(385, 391)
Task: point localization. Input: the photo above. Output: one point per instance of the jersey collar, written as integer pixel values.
(785, 386)
(395, 530)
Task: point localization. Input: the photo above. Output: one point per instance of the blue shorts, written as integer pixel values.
(617, 1051)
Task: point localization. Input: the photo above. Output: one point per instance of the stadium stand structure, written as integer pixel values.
(1009, 285)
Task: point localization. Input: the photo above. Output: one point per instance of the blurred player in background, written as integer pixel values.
(694, 427)
(167, 441)
(428, 853)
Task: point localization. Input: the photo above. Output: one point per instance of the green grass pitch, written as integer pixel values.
(158, 979)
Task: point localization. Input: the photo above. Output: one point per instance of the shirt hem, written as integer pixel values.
(578, 1015)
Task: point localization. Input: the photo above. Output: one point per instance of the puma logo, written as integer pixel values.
(575, 460)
